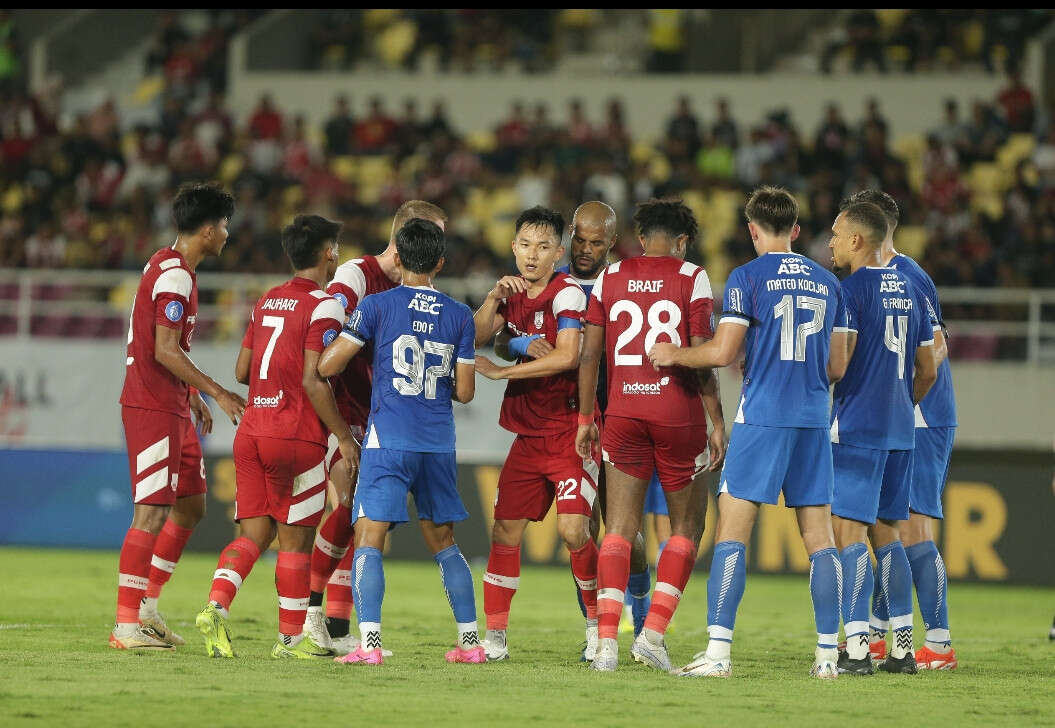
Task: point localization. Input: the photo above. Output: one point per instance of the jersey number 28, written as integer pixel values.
(656, 326)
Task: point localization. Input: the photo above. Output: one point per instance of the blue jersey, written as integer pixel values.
(418, 334)
(602, 373)
(938, 408)
(790, 306)
(873, 401)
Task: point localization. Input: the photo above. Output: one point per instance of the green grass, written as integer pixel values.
(56, 610)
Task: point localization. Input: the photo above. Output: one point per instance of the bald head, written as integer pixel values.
(593, 233)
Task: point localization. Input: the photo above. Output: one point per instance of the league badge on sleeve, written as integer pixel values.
(174, 311)
(342, 299)
(329, 336)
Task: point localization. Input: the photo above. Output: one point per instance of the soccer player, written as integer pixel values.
(540, 406)
(785, 309)
(331, 559)
(892, 366)
(929, 468)
(423, 358)
(653, 421)
(280, 446)
(161, 392)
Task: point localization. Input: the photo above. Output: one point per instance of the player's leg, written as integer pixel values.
(154, 441)
(930, 470)
(826, 582)
(892, 562)
(293, 583)
(878, 621)
(331, 561)
(576, 497)
(638, 586)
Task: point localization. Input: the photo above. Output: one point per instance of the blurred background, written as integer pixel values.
(103, 114)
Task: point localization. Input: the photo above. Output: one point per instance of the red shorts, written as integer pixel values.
(164, 456)
(539, 468)
(283, 479)
(636, 448)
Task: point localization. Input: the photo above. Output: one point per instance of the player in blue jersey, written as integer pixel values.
(891, 347)
(424, 357)
(786, 311)
(935, 432)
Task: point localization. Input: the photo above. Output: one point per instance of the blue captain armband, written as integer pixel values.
(519, 344)
(565, 322)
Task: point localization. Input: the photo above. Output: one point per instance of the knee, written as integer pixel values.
(189, 511)
(574, 531)
(506, 533)
(150, 518)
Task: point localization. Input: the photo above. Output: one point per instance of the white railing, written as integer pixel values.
(37, 302)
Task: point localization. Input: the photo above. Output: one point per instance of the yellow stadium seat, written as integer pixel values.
(396, 41)
(231, 167)
(344, 167)
(659, 169)
(505, 202)
(911, 240)
(292, 197)
(482, 141)
(11, 202)
(986, 178)
(641, 152)
(374, 171)
(148, 89)
(499, 234)
(410, 166)
(890, 19)
(1017, 148)
(374, 19)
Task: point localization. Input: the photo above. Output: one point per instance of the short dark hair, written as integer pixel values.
(420, 244)
(304, 238)
(878, 198)
(774, 208)
(198, 204)
(669, 216)
(539, 215)
(868, 219)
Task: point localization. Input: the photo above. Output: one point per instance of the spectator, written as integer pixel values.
(725, 130)
(873, 117)
(437, 123)
(829, 146)
(46, 248)
(952, 130)
(338, 129)
(266, 121)
(212, 126)
(579, 130)
(1017, 103)
(666, 42)
(683, 130)
(375, 133)
(298, 155)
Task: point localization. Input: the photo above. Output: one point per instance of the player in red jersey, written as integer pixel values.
(160, 394)
(331, 559)
(280, 447)
(540, 406)
(654, 420)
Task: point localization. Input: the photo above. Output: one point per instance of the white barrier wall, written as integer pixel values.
(64, 395)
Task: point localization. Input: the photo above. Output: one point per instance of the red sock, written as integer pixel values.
(133, 570)
(613, 572)
(167, 550)
(672, 574)
(584, 569)
(331, 544)
(500, 584)
(339, 600)
(236, 561)
(292, 580)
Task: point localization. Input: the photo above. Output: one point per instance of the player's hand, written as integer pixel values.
(507, 286)
(488, 368)
(662, 354)
(231, 403)
(201, 413)
(539, 348)
(587, 441)
(716, 446)
(350, 451)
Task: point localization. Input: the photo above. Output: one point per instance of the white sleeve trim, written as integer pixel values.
(569, 298)
(596, 291)
(929, 342)
(328, 308)
(701, 286)
(351, 275)
(687, 268)
(733, 318)
(842, 329)
(851, 330)
(466, 361)
(174, 280)
(356, 339)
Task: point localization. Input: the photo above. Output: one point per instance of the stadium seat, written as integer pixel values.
(482, 141)
(912, 240)
(344, 167)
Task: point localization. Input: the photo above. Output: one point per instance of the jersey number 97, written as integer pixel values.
(408, 359)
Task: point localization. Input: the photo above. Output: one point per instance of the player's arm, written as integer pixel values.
(718, 352)
(587, 439)
(322, 401)
(487, 320)
(512, 348)
(169, 354)
(711, 394)
(565, 356)
(464, 382)
(838, 355)
(941, 346)
(925, 374)
(242, 366)
(336, 356)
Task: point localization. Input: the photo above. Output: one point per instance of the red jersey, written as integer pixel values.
(641, 301)
(167, 295)
(352, 281)
(288, 319)
(545, 405)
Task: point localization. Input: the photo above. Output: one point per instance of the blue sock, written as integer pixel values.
(857, 593)
(880, 621)
(368, 581)
(637, 589)
(826, 577)
(896, 575)
(932, 591)
(725, 588)
(458, 583)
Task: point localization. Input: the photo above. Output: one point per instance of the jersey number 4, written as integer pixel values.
(793, 338)
(656, 326)
(417, 377)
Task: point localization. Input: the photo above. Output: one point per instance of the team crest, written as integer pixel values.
(538, 319)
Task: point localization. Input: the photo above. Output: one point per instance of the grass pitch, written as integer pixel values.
(56, 668)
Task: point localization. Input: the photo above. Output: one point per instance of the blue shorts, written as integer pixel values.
(930, 469)
(386, 476)
(763, 461)
(871, 484)
(655, 500)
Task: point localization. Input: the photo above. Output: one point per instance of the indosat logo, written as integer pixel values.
(645, 388)
(259, 401)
